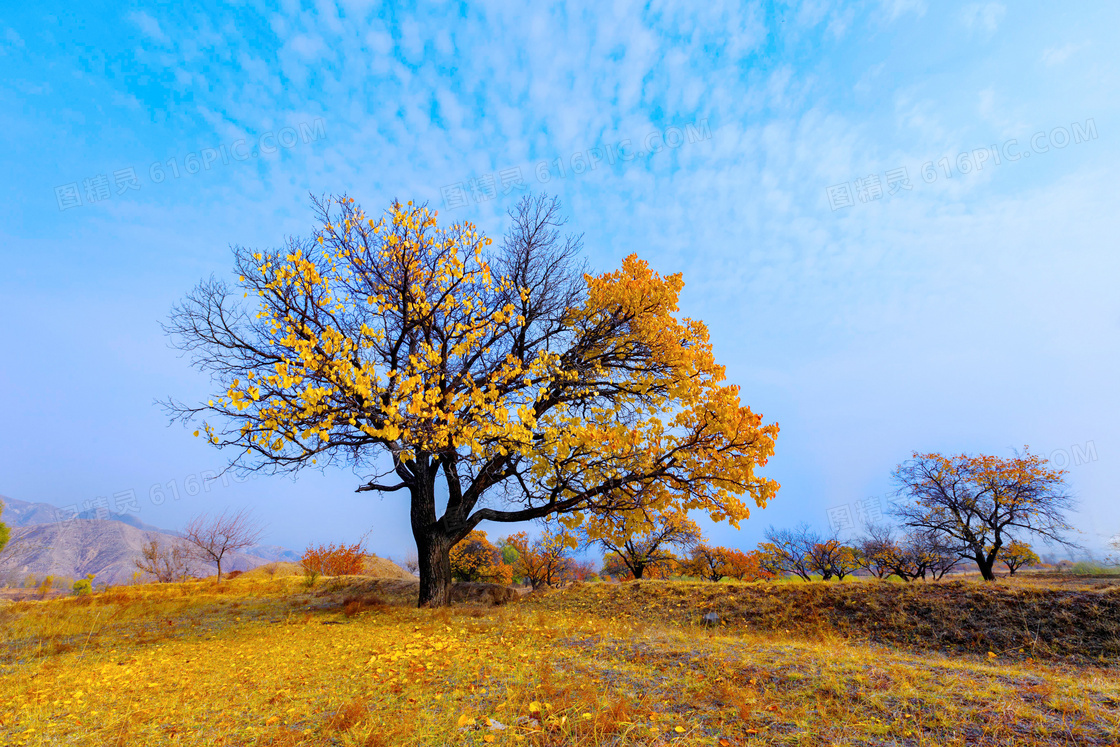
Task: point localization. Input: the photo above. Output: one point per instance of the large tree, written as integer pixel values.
(980, 503)
(422, 354)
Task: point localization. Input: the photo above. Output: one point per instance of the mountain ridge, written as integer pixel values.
(48, 540)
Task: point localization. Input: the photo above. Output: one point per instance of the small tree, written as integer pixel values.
(412, 563)
(646, 545)
(788, 550)
(707, 562)
(614, 567)
(213, 538)
(1018, 555)
(5, 533)
(474, 558)
(164, 562)
(745, 566)
(542, 562)
(976, 502)
(931, 552)
(878, 550)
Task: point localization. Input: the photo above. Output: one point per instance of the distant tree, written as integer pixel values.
(475, 558)
(745, 566)
(831, 558)
(934, 553)
(503, 377)
(543, 561)
(878, 551)
(164, 562)
(1018, 555)
(977, 501)
(215, 537)
(580, 570)
(789, 550)
(411, 563)
(706, 562)
(647, 544)
(614, 567)
(919, 554)
(5, 533)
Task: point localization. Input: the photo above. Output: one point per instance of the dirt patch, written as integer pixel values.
(405, 592)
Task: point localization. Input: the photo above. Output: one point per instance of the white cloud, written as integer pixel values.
(1058, 55)
(983, 16)
(148, 26)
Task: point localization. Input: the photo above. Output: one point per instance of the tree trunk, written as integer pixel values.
(434, 552)
(433, 541)
(638, 569)
(985, 567)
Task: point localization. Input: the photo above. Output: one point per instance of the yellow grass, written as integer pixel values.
(267, 662)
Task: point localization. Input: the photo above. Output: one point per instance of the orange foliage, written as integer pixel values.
(334, 560)
(542, 562)
(745, 566)
(474, 558)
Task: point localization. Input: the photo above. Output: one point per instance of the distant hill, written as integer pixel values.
(44, 543)
(19, 513)
(107, 549)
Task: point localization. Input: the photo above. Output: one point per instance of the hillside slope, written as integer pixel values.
(76, 548)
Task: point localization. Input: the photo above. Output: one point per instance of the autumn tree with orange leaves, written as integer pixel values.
(745, 566)
(982, 503)
(646, 545)
(475, 558)
(543, 561)
(422, 353)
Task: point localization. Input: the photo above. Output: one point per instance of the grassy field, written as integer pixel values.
(259, 661)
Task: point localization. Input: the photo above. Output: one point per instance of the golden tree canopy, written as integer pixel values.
(489, 365)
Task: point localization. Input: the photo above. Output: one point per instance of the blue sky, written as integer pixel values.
(869, 313)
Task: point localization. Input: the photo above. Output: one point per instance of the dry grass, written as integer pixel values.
(255, 662)
(1020, 621)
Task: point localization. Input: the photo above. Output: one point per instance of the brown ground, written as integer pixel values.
(1074, 625)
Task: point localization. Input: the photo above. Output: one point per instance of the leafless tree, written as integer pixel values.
(877, 548)
(212, 538)
(788, 550)
(166, 562)
(412, 563)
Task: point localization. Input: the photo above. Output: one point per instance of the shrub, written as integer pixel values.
(83, 587)
(333, 560)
